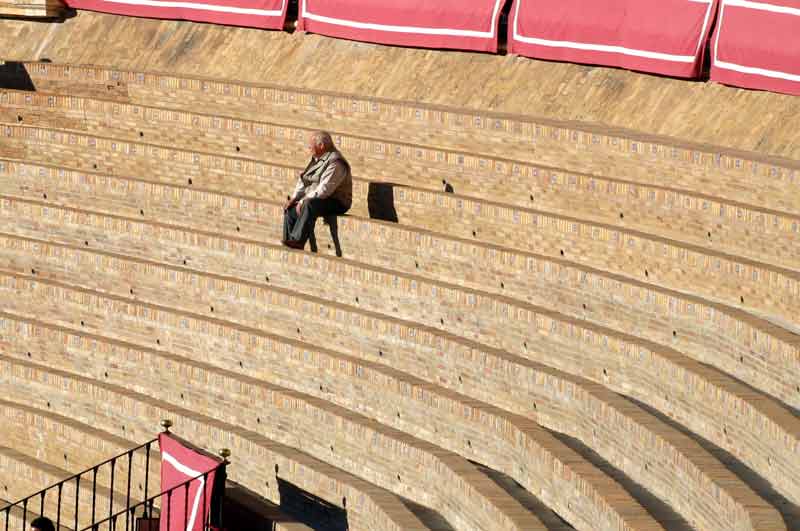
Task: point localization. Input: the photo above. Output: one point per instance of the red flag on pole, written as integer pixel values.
(187, 508)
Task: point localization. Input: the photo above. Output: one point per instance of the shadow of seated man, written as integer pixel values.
(324, 188)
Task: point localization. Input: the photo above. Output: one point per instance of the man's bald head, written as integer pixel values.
(320, 142)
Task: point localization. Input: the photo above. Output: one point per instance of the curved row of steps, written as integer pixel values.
(695, 218)
(763, 287)
(530, 455)
(248, 316)
(118, 410)
(726, 337)
(27, 473)
(54, 448)
(587, 147)
(383, 451)
(197, 208)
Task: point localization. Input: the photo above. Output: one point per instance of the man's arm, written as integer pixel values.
(329, 182)
(297, 194)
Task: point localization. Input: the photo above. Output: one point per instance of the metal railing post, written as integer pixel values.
(150, 510)
(58, 507)
(94, 494)
(111, 491)
(77, 498)
(128, 499)
(146, 476)
(25, 514)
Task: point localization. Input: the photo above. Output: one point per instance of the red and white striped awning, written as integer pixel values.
(661, 36)
(757, 45)
(265, 14)
(459, 24)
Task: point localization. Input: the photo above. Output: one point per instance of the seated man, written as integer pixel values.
(324, 188)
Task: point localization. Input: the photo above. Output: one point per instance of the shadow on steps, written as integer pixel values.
(662, 512)
(788, 510)
(431, 518)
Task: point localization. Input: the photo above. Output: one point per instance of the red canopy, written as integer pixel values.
(267, 14)
(460, 24)
(757, 45)
(662, 36)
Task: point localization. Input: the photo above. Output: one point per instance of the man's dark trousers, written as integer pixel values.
(299, 228)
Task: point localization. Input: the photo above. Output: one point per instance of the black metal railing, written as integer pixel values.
(85, 484)
(142, 515)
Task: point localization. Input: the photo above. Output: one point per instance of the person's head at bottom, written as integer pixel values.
(42, 524)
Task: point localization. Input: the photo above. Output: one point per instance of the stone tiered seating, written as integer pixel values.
(624, 153)
(43, 268)
(690, 217)
(542, 450)
(299, 419)
(489, 324)
(246, 315)
(109, 406)
(156, 205)
(68, 446)
(27, 473)
(736, 280)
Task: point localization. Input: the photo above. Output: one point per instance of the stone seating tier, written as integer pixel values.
(366, 299)
(764, 288)
(390, 452)
(126, 247)
(76, 447)
(625, 154)
(26, 473)
(273, 317)
(83, 445)
(672, 212)
(111, 407)
(342, 451)
(754, 340)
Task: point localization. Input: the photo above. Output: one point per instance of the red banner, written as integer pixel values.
(186, 509)
(663, 36)
(266, 14)
(459, 24)
(757, 45)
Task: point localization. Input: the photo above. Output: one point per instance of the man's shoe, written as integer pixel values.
(294, 244)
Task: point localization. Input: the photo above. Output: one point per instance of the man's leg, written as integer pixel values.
(289, 221)
(313, 209)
